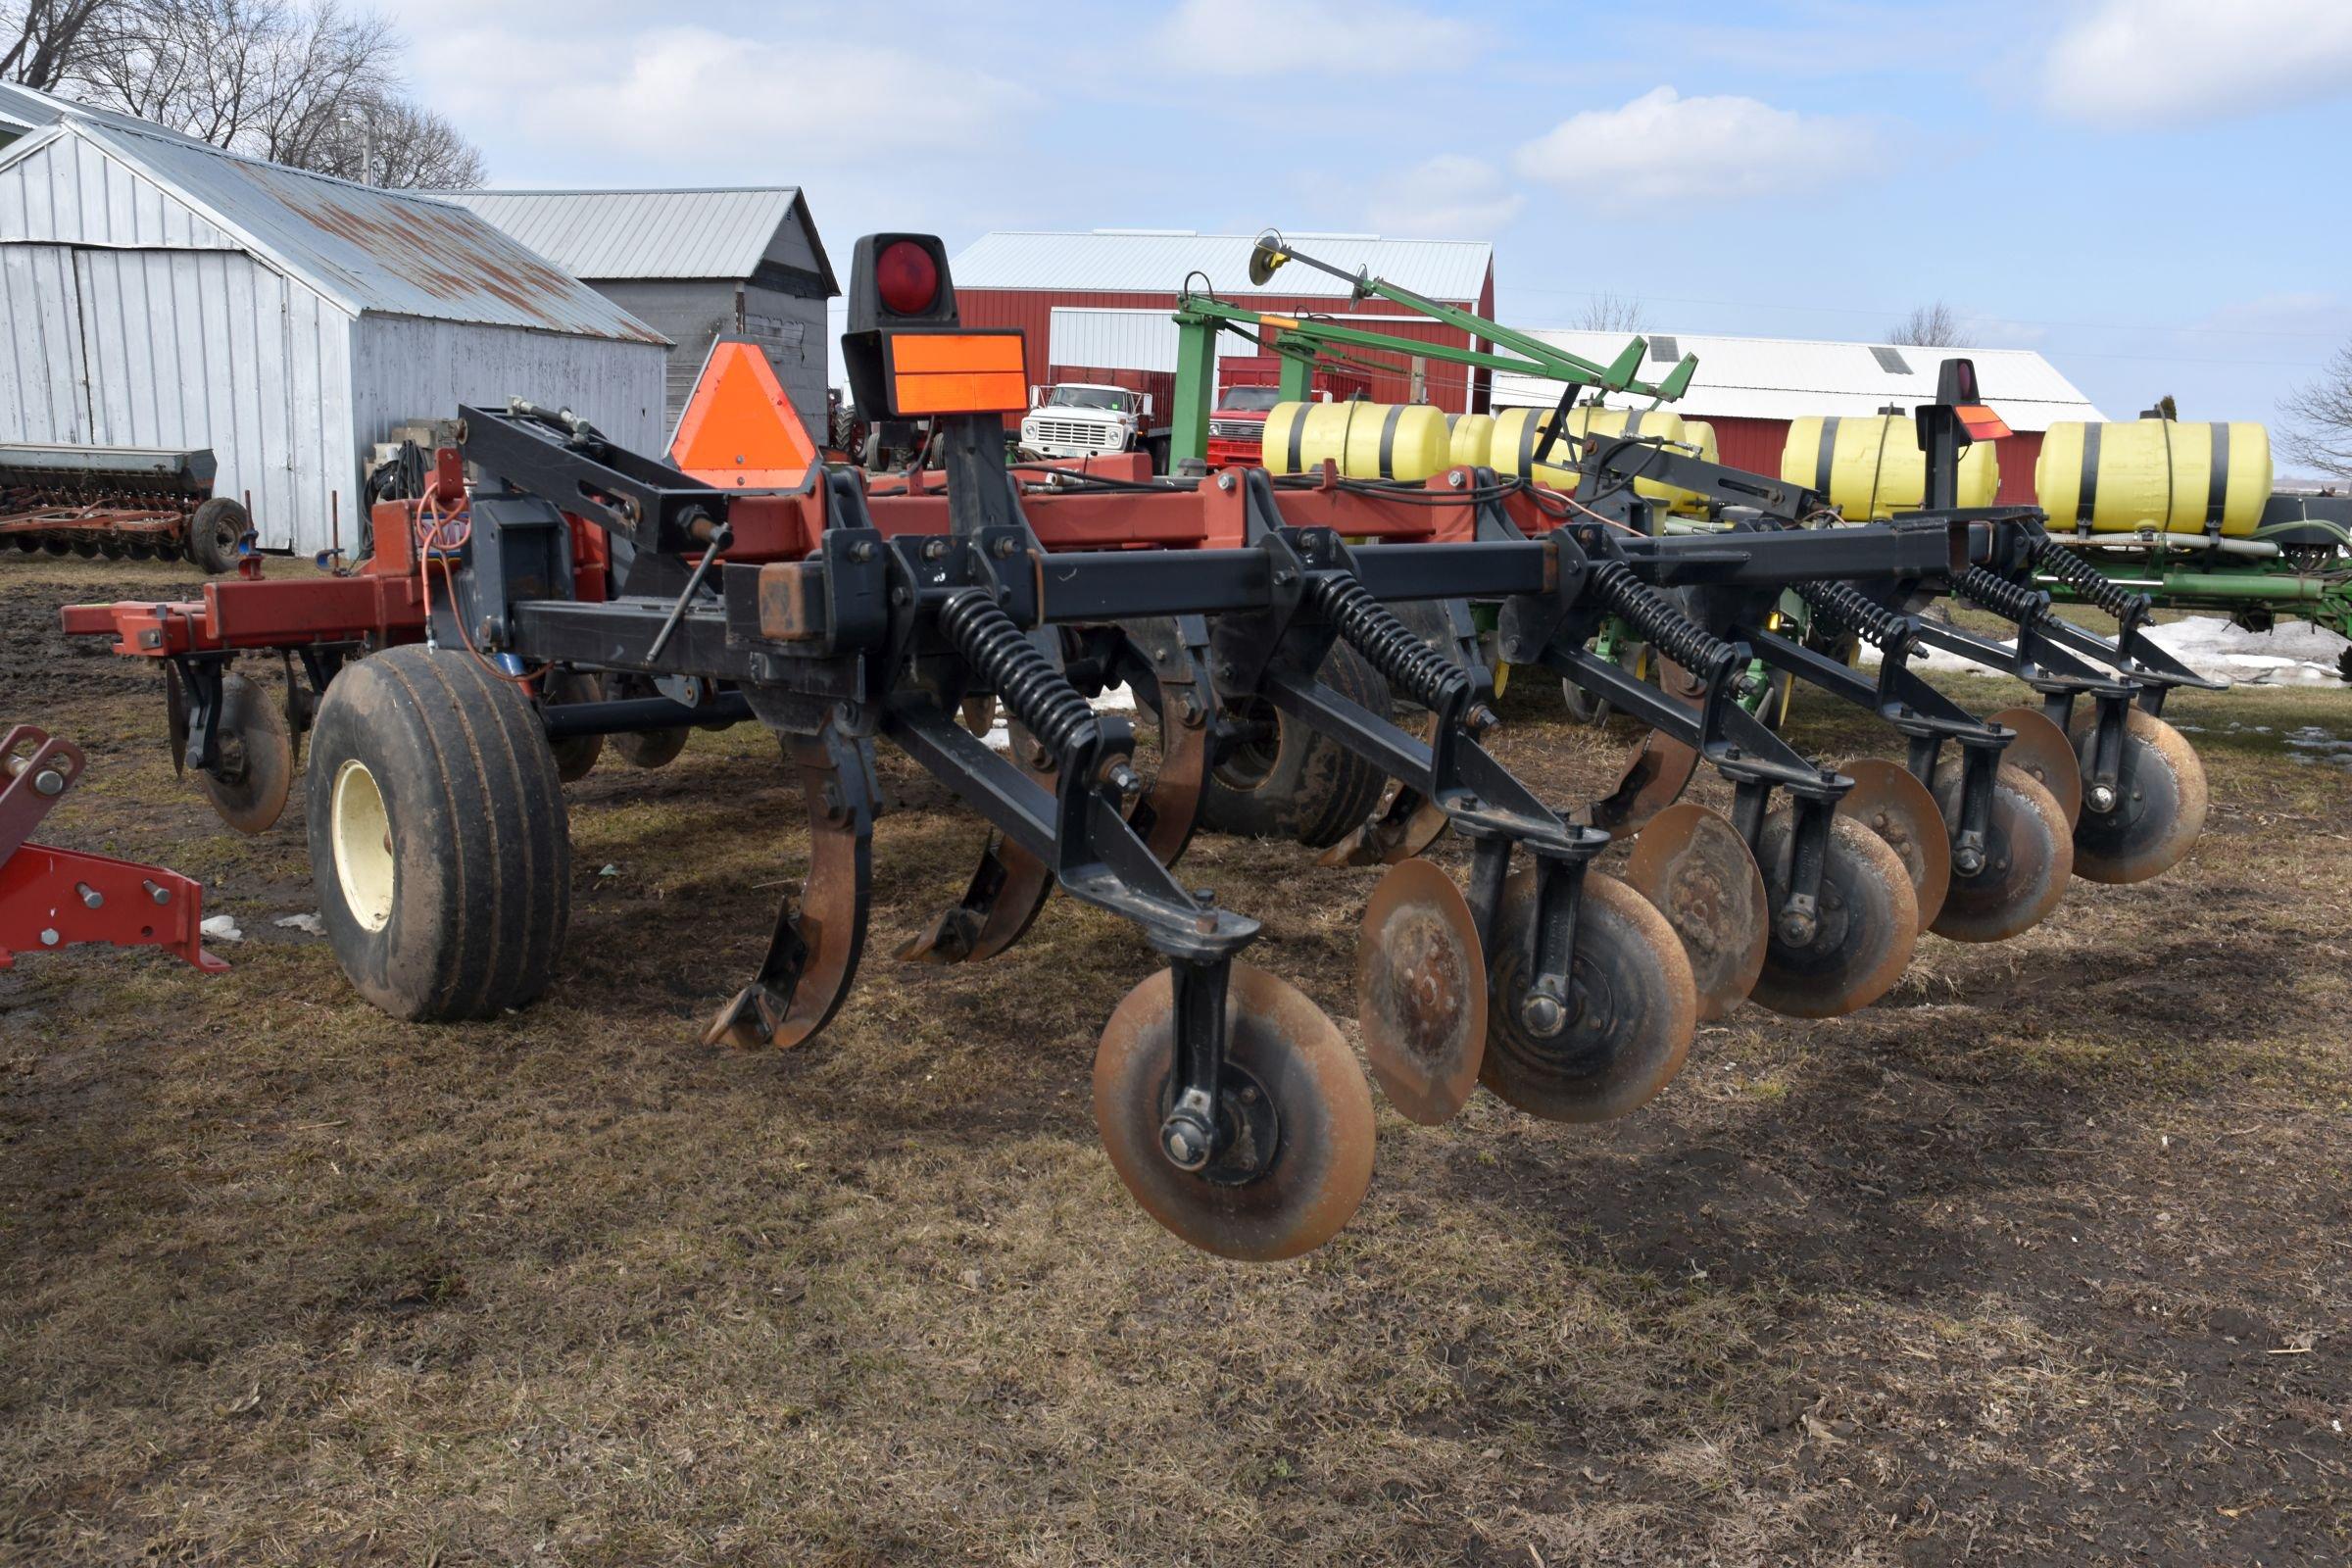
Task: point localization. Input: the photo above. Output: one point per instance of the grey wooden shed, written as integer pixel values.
(697, 264)
(160, 292)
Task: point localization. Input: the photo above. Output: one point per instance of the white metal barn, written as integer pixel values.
(160, 292)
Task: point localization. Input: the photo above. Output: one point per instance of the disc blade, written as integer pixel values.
(257, 770)
(2028, 857)
(2042, 753)
(1863, 933)
(1290, 1052)
(1653, 778)
(1696, 868)
(1635, 1007)
(1421, 992)
(2160, 812)
(1891, 803)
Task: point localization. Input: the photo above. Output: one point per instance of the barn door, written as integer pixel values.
(45, 372)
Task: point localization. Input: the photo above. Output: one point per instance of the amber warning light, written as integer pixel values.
(955, 372)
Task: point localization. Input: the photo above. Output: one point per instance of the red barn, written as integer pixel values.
(1103, 299)
(1750, 387)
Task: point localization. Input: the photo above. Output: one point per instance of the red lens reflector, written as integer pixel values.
(907, 278)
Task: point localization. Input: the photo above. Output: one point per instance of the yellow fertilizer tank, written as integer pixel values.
(2154, 473)
(1519, 432)
(1701, 434)
(1871, 465)
(1473, 436)
(1367, 440)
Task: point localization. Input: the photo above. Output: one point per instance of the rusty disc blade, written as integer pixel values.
(1634, 1007)
(1891, 803)
(1322, 1108)
(2028, 857)
(1421, 992)
(1866, 926)
(2042, 753)
(2160, 810)
(257, 758)
(1653, 778)
(575, 755)
(1693, 865)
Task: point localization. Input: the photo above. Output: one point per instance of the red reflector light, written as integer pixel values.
(907, 278)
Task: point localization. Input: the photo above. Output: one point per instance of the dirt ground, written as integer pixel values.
(2045, 1260)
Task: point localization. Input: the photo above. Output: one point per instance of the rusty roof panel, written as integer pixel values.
(393, 252)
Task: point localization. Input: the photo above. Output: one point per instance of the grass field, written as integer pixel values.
(2044, 1259)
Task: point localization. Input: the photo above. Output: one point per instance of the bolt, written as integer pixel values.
(2102, 797)
(1225, 481)
(862, 551)
(1968, 863)
(1480, 719)
(900, 595)
(1284, 576)
(48, 781)
(1543, 1014)
(157, 892)
(91, 897)
(49, 939)
(1005, 548)
(1126, 780)
(932, 549)
(1797, 928)
(1453, 480)
(1180, 1148)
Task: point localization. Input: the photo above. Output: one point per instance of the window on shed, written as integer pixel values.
(1665, 350)
(1891, 361)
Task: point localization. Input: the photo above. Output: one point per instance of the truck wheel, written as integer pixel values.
(1286, 781)
(438, 843)
(213, 534)
(1159, 447)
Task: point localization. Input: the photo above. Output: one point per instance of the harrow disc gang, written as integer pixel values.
(1692, 865)
(2160, 809)
(1421, 992)
(1635, 1007)
(1286, 1060)
(1863, 932)
(2028, 857)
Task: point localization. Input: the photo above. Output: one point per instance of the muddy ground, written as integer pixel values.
(2045, 1260)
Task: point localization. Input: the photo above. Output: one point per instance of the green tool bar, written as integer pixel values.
(1194, 308)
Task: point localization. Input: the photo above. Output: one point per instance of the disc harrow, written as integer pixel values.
(576, 589)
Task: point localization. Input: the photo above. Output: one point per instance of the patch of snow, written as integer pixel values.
(222, 928)
(309, 923)
(1115, 700)
(2293, 652)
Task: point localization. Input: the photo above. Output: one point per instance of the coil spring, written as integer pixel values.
(2085, 580)
(1662, 625)
(1025, 680)
(1855, 610)
(1372, 629)
(1998, 594)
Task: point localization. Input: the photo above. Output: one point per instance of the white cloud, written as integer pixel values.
(2165, 62)
(1446, 197)
(1327, 37)
(1662, 148)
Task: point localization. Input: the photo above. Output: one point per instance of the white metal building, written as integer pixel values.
(696, 264)
(162, 292)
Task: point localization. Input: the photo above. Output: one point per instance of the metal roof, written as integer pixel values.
(649, 233)
(366, 249)
(1157, 262)
(1783, 378)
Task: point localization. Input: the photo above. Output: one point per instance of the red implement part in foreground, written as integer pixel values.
(52, 898)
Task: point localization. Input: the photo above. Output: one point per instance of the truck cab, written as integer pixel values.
(1086, 420)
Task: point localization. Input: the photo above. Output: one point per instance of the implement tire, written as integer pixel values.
(1297, 783)
(438, 842)
(212, 535)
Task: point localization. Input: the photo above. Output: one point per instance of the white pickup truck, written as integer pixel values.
(1087, 420)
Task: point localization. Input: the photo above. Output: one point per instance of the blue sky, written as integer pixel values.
(2151, 192)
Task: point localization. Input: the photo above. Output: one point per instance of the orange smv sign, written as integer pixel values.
(969, 372)
(739, 430)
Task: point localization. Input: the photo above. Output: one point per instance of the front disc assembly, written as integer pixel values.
(2042, 753)
(1653, 778)
(1634, 1008)
(1291, 1080)
(1861, 934)
(2028, 857)
(575, 755)
(1693, 865)
(257, 758)
(2160, 809)
(1891, 803)
(1421, 992)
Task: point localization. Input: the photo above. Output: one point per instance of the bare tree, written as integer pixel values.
(1932, 327)
(2319, 412)
(315, 87)
(1611, 313)
(43, 38)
